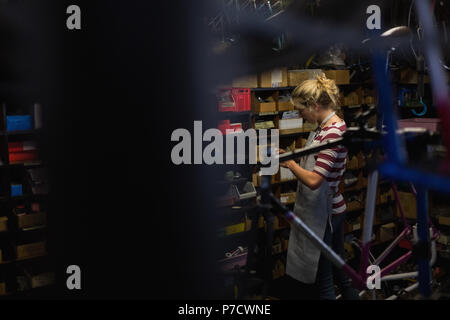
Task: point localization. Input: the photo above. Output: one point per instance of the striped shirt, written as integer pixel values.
(330, 163)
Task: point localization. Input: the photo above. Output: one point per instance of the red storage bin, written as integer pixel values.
(227, 101)
(234, 100)
(242, 97)
(236, 127)
(23, 156)
(225, 125)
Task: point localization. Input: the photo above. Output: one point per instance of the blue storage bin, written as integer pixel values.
(16, 190)
(16, 123)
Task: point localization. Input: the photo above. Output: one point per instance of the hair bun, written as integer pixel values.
(320, 90)
(323, 81)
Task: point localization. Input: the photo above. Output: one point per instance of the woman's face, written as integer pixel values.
(308, 114)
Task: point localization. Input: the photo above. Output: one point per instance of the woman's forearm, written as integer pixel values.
(311, 179)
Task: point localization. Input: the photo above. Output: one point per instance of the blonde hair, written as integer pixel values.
(321, 90)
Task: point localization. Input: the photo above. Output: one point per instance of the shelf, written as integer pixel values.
(289, 135)
(354, 106)
(375, 225)
(284, 181)
(20, 132)
(231, 114)
(17, 230)
(28, 196)
(273, 89)
(355, 210)
(23, 165)
(291, 131)
(235, 181)
(354, 188)
(29, 291)
(23, 259)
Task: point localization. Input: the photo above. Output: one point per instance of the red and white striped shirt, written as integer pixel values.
(330, 163)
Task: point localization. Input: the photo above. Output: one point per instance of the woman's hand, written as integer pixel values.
(285, 164)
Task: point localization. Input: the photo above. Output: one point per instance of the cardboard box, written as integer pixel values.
(248, 223)
(3, 224)
(356, 225)
(235, 228)
(369, 100)
(276, 248)
(285, 106)
(408, 202)
(339, 76)
(288, 197)
(276, 223)
(296, 77)
(285, 244)
(31, 219)
(250, 81)
(387, 196)
(353, 205)
(352, 163)
(444, 220)
(2, 288)
(41, 279)
(262, 106)
(255, 180)
(410, 76)
(273, 79)
(444, 238)
(351, 99)
(278, 270)
(31, 250)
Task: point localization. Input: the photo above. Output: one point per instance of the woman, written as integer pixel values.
(319, 203)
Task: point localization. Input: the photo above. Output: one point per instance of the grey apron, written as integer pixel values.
(314, 207)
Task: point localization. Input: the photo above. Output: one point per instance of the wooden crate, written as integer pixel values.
(339, 76)
(29, 250)
(31, 219)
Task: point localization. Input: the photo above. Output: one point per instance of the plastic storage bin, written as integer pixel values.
(234, 100)
(431, 124)
(16, 190)
(16, 123)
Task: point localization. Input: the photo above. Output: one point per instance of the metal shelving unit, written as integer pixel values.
(14, 236)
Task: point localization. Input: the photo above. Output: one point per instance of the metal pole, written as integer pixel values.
(368, 220)
(423, 244)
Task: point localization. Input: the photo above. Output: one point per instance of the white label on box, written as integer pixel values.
(356, 226)
(277, 77)
(284, 199)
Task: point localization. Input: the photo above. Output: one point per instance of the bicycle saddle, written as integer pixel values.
(393, 33)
